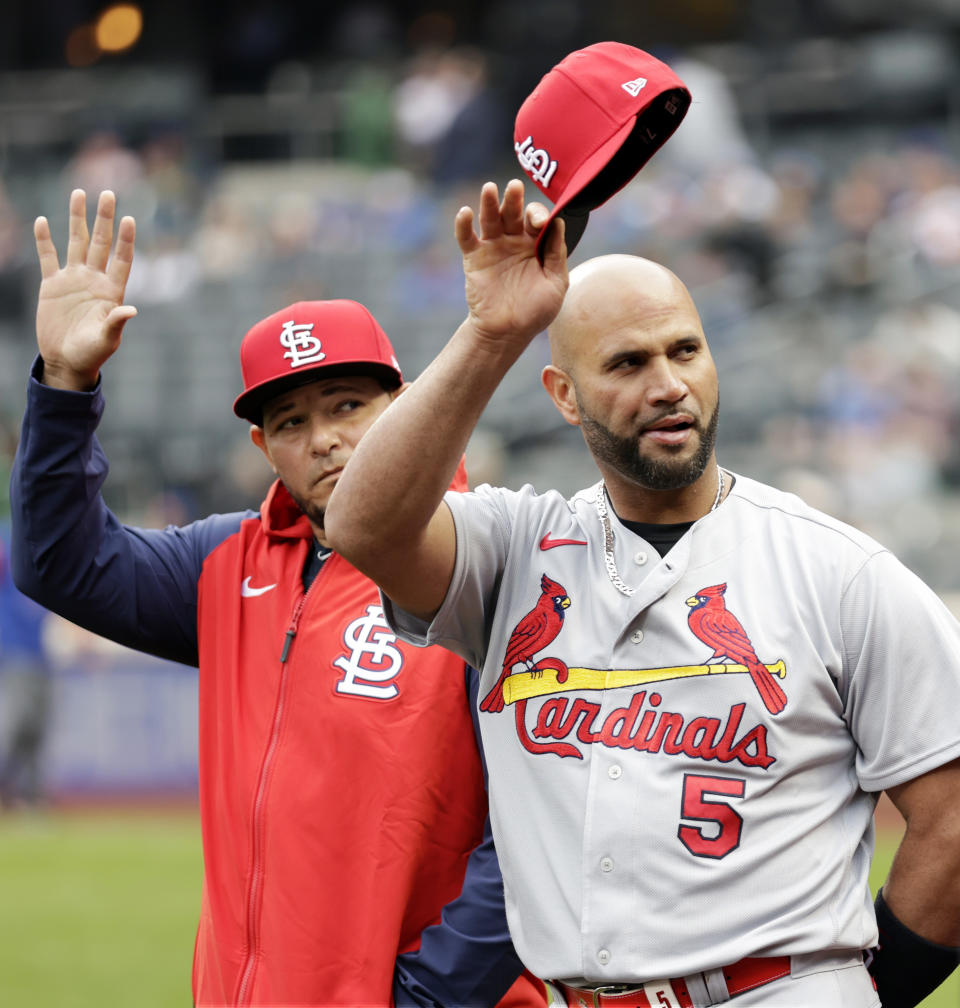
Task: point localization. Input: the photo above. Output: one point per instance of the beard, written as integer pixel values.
(623, 454)
(314, 512)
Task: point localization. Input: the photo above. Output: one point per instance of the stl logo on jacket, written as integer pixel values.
(532, 634)
(719, 629)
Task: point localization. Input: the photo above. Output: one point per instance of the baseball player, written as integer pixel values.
(341, 787)
(694, 687)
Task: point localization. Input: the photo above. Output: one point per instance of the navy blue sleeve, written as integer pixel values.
(468, 958)
(72, 555)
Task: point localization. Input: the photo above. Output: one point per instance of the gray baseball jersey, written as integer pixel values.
(684, 768)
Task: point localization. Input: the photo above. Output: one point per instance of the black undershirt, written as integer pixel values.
(661, 537)
(315, 560)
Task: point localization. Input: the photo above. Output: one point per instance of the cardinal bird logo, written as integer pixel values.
(718, 628)
(532, 634)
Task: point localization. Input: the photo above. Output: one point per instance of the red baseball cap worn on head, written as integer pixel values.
(592, 123)
(309, 341)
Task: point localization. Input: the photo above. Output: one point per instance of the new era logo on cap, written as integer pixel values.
(634, 87)
(592, 123)
(308, 341)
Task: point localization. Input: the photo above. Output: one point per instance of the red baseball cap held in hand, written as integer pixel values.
(592, 123)
(306, 342)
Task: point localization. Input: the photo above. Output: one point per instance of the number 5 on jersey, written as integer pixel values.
(698, 807)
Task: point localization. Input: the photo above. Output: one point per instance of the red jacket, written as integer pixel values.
(349, 773)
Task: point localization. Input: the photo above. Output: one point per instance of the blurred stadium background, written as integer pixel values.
(273, 151)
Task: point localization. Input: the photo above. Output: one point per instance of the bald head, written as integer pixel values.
(631, 367)
(608, 293)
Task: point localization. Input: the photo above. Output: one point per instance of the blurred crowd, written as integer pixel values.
(824, 260)
(825, 265)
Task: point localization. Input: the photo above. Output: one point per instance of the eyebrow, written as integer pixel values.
(674, 344)
(330, 390)
(344, 386)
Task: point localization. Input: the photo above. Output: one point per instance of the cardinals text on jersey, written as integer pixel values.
(561, 722)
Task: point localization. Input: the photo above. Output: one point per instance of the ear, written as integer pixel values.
(258, 438)
(559, 386)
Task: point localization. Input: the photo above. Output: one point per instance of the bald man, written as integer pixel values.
(693, 685)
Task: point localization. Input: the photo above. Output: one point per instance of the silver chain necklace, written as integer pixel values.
(608, 560)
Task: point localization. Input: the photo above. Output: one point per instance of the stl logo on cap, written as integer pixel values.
(307, 341)
(536, 161)
(302, 346)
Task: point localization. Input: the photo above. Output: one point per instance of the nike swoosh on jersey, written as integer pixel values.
(248, 591)
(547, 543)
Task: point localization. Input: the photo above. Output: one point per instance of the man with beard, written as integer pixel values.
(342, 801)
(693, 687)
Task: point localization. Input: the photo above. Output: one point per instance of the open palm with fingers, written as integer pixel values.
(80, 312)
(511, 296)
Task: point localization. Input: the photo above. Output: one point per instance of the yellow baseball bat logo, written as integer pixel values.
(524, 685)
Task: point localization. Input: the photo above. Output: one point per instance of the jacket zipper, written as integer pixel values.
(254, 893)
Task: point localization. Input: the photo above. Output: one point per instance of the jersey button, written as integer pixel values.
(640, 558)
(603, 957)
(614, 772)
(606, 864)
(636, 636)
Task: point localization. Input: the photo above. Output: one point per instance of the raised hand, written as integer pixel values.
(511, 296)
(80, 311)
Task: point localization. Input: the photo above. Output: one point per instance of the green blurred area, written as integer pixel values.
(947, 995)
(100, 908)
